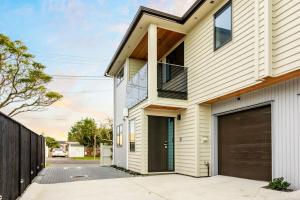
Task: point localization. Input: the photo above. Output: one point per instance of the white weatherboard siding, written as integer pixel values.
(135, 159)
(215, 73)
(211, 74)
(260, 31)
(285, 125)
(120, 153)
(185, 143)
(286, 36)
(204, 139)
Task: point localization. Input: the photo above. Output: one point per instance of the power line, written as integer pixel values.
(83, 79)
(41, 118)
(66, 55)
(79, 77)
(91, 91)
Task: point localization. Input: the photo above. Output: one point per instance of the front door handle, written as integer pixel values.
(166, 144)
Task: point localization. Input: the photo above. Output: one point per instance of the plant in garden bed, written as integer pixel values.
(279, 184)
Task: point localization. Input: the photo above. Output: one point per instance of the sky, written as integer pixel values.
(74, 37)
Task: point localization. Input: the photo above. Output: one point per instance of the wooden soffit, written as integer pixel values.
(166, 39)
(269, 81)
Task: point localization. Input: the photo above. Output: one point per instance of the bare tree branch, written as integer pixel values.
(22, 80)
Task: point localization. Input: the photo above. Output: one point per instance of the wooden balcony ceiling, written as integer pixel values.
(166, 39)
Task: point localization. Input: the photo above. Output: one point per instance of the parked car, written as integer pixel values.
(58, 153)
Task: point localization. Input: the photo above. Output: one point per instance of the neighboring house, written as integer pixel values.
(63, 145)
(215, 91)
(75, 149)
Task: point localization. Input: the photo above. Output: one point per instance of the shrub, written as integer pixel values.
(279, 184)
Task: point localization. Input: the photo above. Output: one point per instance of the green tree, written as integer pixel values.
(51, 143)
(22, 79)
(88, 134)
(105, 132)
(83, 132)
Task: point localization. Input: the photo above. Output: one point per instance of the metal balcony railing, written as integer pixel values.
(137, 87)
(171, 81)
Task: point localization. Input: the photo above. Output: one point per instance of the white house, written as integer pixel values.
(215, 91)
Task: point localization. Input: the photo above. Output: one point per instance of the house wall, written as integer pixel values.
(185, 143)
(215, 73)
(286, 36)
(211, 74)
(259, 31)
(285, 125)
(136, 159)
(231, 67)
(120, 153)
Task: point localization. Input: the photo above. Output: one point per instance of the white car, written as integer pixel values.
(58, 153)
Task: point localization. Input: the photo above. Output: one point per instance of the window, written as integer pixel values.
(223, 26)
(176, 57)
(119, 136)
(131, 136)
(120, 76)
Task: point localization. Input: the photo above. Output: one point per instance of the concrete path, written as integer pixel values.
(161, 187)
(61, 173)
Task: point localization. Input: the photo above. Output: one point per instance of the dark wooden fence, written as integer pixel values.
(22, 157)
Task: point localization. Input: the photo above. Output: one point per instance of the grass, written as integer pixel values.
(86, 158)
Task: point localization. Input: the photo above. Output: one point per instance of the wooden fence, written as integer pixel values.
(22, 157)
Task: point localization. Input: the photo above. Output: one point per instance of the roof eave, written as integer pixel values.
(144, 10)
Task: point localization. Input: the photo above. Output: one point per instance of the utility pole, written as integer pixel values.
(95, 137)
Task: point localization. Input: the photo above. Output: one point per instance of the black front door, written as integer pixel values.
(160, 144)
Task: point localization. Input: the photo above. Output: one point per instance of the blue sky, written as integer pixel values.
(74, 37)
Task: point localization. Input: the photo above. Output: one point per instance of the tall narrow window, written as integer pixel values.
(119, 136)
(223, 25)
(131, 136)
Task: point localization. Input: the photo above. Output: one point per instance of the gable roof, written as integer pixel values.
(156, 13)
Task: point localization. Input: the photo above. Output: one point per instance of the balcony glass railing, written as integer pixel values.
(137, 87)
(171, 81)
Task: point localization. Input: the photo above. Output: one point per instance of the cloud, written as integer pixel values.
(119, 28)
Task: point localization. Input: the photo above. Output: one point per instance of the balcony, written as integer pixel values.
(137, 87)
(171, 84)
(171, 81)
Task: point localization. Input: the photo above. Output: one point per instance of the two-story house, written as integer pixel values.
(214, 92)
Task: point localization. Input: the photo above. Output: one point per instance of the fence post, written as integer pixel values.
(19, 167)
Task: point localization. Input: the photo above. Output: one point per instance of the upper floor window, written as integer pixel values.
(119, 137)
(223, 26)
(176, 57)
(120, 76)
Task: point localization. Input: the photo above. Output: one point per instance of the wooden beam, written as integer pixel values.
(160, 107)
(265, 83)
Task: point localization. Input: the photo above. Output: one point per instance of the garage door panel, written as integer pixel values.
(245, 144)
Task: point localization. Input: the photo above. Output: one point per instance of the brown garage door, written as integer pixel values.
(244, 144)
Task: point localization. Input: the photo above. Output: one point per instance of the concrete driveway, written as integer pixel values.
(160, 187)
(60, 173)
